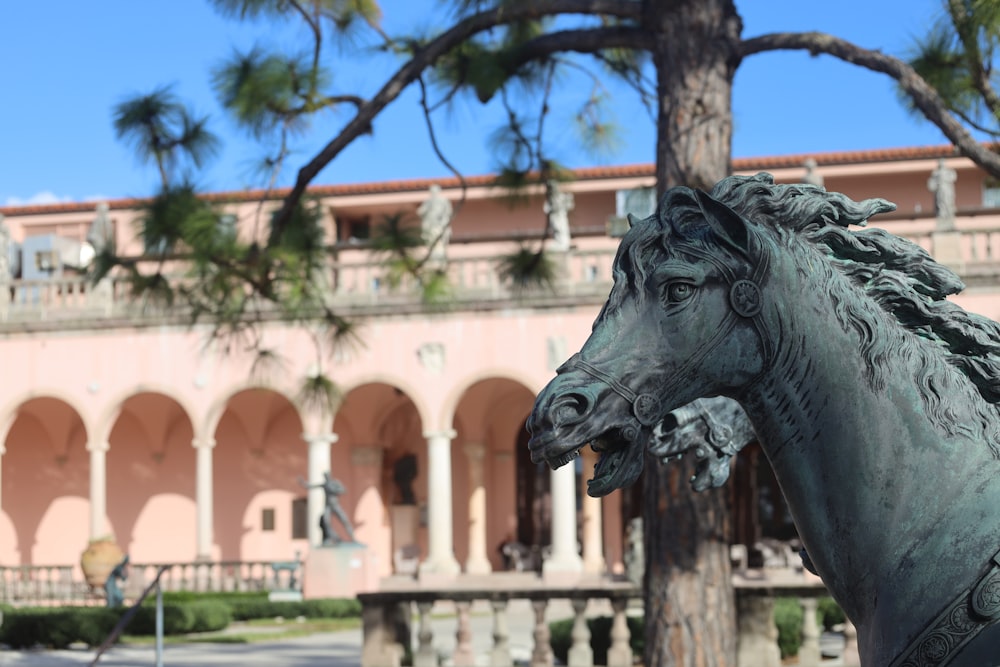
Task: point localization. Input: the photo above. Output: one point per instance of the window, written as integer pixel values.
(991, 193)
(640, 202)
(267, 519)
(299, 519)
(227, 226)
(354, 229)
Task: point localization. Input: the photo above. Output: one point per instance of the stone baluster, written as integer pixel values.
(849, 658)
(620, 651)
(464, 655)
(500, 655)
(379, 647)
(580, 653)
(809, 655)
(757, 635)
(425, 655)
(541, 654)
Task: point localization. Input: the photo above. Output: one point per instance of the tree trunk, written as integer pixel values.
(695, 55)
(690, 608)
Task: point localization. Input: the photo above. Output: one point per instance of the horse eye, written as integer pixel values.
(678, 291)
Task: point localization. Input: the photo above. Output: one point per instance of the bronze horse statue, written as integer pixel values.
(874, 398)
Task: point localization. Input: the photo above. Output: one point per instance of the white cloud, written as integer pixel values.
(37, 199)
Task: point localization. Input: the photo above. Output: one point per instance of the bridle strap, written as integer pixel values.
(745, 301)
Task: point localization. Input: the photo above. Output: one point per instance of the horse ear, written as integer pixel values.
(724, 221)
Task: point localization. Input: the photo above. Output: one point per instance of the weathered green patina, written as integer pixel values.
(873, 396)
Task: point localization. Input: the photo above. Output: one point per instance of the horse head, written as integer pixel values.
(685, 319)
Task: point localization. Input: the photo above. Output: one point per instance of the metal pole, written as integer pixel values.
(159, 626)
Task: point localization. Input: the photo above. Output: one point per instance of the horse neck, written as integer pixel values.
(865, 473)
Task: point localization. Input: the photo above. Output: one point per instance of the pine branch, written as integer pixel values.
(425, 57)
(924, 97)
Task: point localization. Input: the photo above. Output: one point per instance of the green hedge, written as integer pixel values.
(249, 609)
(600, 637)
(57, 627)
(183, 612)
(250, 606)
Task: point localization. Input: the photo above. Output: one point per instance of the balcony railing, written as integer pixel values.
(358, 284)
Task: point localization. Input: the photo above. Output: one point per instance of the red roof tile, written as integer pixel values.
(587, 173)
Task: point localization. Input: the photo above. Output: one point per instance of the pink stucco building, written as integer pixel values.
(118, 418)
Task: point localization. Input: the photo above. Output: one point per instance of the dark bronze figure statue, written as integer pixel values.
(873, 397)
(333, 488)
(114, 596)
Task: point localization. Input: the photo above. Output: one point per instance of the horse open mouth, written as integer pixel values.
(619, 463)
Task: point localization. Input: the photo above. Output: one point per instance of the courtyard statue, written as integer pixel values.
(942, 184)
(101, 234)
(114, 596)
(812, 177)
(404, 471)
(332, 489)
(872, 395)
(557, 206)
(435, 225)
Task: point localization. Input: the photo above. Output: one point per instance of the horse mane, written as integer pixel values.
(901, 279)
(898, 274)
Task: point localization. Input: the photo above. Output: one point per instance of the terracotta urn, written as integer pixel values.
(99, 559)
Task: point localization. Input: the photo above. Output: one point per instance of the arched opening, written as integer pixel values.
(150, 473)
(382, 449)
(46, 466)
(260, 463)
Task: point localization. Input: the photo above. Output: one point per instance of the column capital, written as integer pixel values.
(98, 446)
(203, 443)
(320, 438)
(447, 433)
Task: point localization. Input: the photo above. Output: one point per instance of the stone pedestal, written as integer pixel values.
(340, 571)
(405, 545)
(947, 247)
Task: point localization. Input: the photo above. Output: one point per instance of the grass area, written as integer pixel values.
(251, 632)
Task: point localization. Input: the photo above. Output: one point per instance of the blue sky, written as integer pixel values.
(64, 65)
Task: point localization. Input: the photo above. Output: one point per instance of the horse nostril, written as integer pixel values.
(570, 409)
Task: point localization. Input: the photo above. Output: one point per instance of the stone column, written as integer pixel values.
(478, 562)
(203, 497)
(441, 559)
(593, 530)
(98, 488)
(564, 558)
(318, 463)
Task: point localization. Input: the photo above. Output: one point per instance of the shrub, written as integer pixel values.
(560, 637)
(57, 627)
(829, 613)
(191, 615)
(249, 609)
(788, 618)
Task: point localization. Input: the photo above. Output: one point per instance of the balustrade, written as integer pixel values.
(386, 615)
(63, 584)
